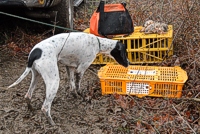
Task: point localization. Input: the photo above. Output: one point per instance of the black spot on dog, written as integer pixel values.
(35, 54)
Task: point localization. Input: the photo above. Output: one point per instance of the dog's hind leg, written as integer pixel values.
(70, 73)
(50, 74)
(34, 80)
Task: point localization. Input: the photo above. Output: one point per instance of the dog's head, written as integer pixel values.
(119, 54)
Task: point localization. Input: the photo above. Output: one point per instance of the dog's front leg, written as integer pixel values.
(79, 74)
(70, 72)
(78, 82)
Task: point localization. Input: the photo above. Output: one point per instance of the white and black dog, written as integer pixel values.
(76, 50)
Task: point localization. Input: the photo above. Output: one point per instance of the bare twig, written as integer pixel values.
(54, 28)
(92, 72)
(183, 119)
(197, 95)
(192, 99)
(4, 88)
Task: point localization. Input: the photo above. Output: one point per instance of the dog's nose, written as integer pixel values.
(127, 63)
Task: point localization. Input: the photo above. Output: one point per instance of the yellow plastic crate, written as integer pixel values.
(142, 80)
(142, 48)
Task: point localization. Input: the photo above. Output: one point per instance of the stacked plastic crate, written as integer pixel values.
(143, 48)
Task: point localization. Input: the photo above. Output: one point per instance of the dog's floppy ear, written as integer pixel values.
(119, 45)
(122, 49)
(119, 54)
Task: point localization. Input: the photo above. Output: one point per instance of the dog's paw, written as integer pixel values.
(30, 107)
(74, 95)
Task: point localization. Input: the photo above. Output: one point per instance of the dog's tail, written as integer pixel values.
(34, 55)
(26, 72)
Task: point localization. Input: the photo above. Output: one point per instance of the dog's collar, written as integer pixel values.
(99, 44)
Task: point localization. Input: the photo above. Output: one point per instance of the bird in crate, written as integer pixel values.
(153, 27)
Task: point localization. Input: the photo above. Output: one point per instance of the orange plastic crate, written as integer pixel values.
(142, 80)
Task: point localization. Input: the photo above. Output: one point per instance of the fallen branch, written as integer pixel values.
(92, 72)
(183, 119)
(4, 88)
(190, 99)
